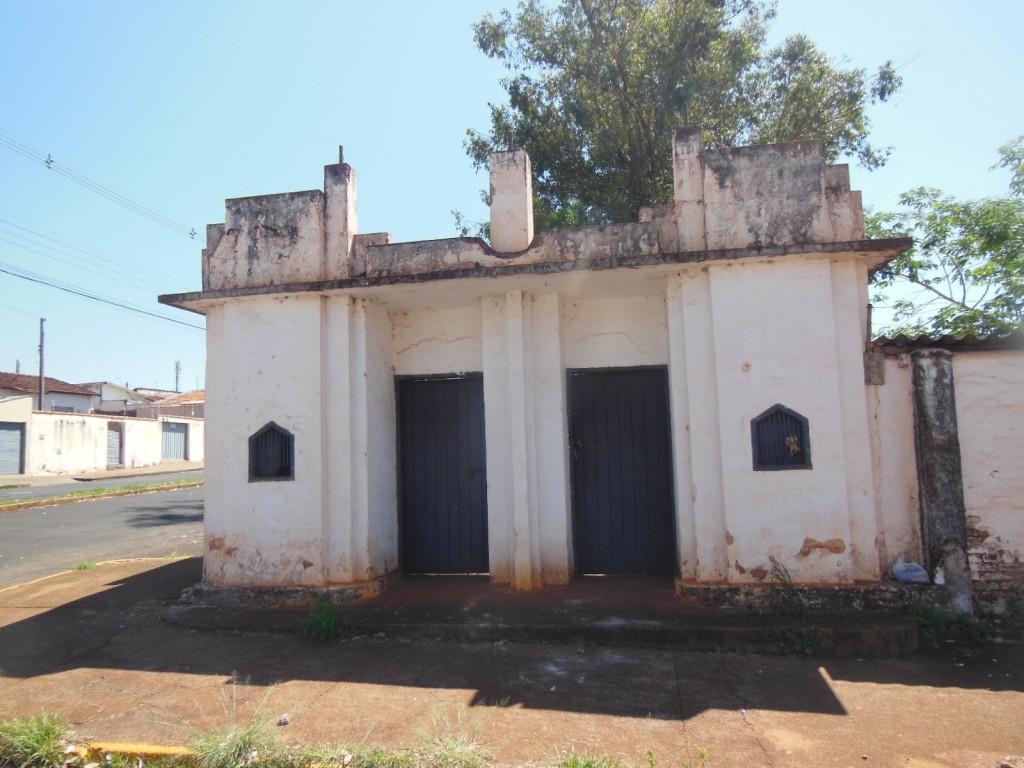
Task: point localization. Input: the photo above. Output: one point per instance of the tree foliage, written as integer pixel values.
(596, 88)
(967, 259)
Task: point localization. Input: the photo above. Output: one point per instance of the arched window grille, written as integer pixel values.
(272, 454)
(781, 440)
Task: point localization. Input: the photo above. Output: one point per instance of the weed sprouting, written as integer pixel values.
(34, 742)
(237, 746)
(326, 622)
(85, 565)
(938, 628)
(783, 597)
(803, 641)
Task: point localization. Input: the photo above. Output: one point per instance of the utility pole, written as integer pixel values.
(42, 379)
(177, 375)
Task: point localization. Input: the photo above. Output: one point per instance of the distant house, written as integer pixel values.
(184, 404)
(58, 396)
(156, 394)
(116, 400)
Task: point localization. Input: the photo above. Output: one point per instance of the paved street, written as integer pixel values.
(39, 542)
(67, 484)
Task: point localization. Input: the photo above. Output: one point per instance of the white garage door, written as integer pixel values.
(11, 438)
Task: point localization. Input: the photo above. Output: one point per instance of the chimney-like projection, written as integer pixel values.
(511, 201)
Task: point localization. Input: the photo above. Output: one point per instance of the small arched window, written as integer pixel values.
(271, 454)
(781, 439)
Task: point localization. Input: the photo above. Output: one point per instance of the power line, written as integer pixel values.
(59, 238)
(136, 284)
(33, 277)
(80, 178)
(11, 306)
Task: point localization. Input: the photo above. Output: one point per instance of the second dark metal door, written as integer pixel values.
(443, 476)
(620, 442)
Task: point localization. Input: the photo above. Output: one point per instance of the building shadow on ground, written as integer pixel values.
(117, 627)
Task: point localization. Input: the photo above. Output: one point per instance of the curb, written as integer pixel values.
(98, 750)
(57, 501)
(85, 477)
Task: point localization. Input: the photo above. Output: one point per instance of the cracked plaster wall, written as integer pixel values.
(615, 333)
(991, 429)
(429, 342)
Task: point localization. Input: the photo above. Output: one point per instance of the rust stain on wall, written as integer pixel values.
(834, 546)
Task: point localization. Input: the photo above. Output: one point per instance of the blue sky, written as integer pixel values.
(180, 105)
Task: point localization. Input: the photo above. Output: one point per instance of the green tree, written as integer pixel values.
(596, 88)
(967, 259)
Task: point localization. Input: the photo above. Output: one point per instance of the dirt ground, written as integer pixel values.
(89, 645)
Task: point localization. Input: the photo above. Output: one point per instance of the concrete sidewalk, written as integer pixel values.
(89, 644)
(163, 468)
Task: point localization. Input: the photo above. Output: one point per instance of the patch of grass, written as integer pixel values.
(1016, 610)
(451, 742)
(120, 760)
(330, 756)
(85, 565)
(573, 760)
(238, 746)
(11, 487)
(176, 555)
(379, 757)
(325, 623)
(147, 606)
(938, 629)
(34, 742)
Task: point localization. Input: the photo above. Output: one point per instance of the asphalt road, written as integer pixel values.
(56, 489)
(40, 542)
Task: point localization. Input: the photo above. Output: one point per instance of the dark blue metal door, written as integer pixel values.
(621, 464)
(443, 479)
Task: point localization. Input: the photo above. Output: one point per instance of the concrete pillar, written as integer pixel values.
(551, 441)
(940, 476)
(511, 201)
(848, 311)
(339, 506)
(688, 178)
(529, 528)
(359, 516)
(686, 527)
(341, 222)
(693, 359)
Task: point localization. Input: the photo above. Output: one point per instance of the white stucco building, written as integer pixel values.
(684, 395)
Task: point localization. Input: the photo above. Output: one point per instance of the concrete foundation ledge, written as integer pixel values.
(885, 597)
(204, 594)
(861, 635)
